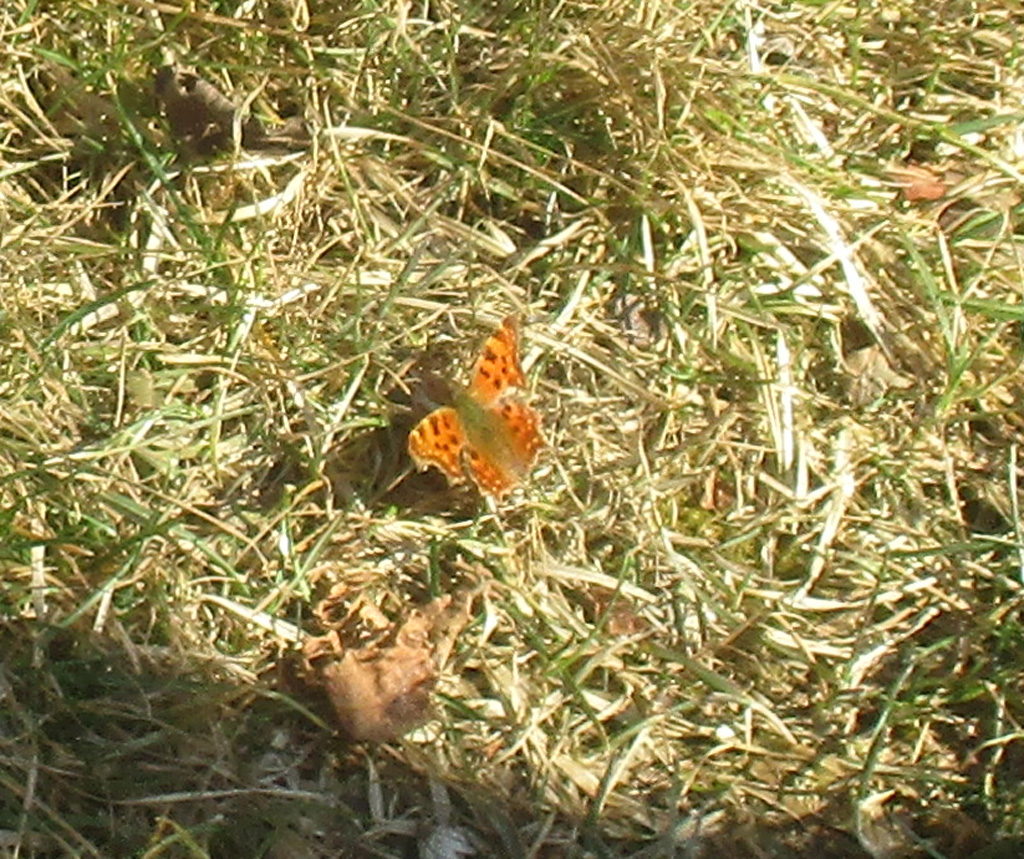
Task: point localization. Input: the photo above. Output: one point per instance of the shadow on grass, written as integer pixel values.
(112, 751)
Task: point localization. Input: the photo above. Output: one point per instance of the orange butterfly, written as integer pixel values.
(486, 433)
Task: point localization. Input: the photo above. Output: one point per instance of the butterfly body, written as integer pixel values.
(487, 433)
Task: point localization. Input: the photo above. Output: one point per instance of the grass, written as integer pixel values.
(761, 596)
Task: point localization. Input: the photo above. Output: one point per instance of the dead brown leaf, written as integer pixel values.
(379, 687)
(202, 118)
(869, 372)
(918, 183)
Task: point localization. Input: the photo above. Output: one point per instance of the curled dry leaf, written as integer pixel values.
(643, 325)
(918, 183)
(616, 612)
(869, 374)
(380, 688)
(202, 118)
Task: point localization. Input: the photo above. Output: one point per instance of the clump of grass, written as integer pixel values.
(762, 595)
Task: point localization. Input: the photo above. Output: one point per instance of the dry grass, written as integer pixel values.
(763, 595)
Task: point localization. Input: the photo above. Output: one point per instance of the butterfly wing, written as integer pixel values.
(498, 368)
(522, 428)
(502, 445)
(488, 474)
(487, 435)
(439, 439)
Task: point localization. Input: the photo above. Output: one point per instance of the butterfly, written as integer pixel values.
(486, 433)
